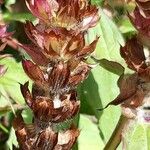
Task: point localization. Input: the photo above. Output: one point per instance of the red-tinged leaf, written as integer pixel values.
(33, 71)
(133, 54)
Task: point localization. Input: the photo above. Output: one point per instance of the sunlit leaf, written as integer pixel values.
(138, 137)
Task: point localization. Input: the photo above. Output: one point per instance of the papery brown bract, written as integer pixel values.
(131, 94)
(133, 54)
(58, 44)
(140, 18)
(44, 108)
(34, 72)
(141, 23)
(144, 7)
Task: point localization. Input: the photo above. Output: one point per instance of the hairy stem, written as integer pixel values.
(116, 137)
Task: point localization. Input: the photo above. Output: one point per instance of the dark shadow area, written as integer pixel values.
(90, 99)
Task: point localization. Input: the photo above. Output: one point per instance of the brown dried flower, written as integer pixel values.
(133, 88)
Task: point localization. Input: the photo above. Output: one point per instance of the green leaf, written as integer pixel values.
(110, 39)
(12, 140)
(126, 26)
(89, 136)
(138, 137)
(9, 83)
(10, 2)
(101, 86)
(97, 2)
(22, 17)
(112, 66)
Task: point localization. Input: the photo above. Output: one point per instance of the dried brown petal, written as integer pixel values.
(145, 74)
(42, 138)
(144, 4)
(20, 131)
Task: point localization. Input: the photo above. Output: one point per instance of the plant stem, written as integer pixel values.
(116, 137)
(4, 129)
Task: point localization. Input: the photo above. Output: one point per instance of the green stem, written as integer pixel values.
(116, 137)
(4, 129)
